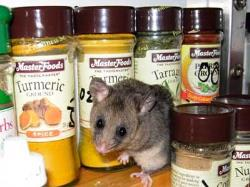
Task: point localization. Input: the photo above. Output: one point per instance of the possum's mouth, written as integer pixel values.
(104, 148)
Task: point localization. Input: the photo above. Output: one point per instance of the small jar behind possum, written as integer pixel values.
(43, 52)
(201, 136)
(106, 43)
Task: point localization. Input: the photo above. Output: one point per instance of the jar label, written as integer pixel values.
(112, 68)
(240, 166)
(200, 73)
(161, 67)
(7, 125)
(215, 176)
(44, 91)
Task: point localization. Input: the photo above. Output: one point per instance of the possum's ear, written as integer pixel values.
(147, 104)
(99, 90)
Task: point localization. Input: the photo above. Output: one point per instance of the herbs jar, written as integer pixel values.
(157, 50)
(43, 51)
(240, 164)
(201, 135)
(201, 54)
(7, 112)
(105, 36)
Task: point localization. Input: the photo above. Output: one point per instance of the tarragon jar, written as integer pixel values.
(106, 43)
(200, 54)
(157, 50)
(240, 164)
(43, 51)
(201, 135)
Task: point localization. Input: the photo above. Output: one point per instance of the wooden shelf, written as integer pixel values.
(89, 178)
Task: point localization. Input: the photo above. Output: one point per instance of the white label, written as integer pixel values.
(44, 90)
(200, 72)
(112, 68)
(160, 67)
(7, 125)
(216, 176)
(240, 166)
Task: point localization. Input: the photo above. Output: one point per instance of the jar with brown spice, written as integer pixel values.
(200, 54)
(240, 164)
(201, 136)
(43, 51)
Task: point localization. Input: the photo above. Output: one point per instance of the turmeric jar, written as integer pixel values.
(201, 135)
(201, 54)
(106, 43)
(43, 52)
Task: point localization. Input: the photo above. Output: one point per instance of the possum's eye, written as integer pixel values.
(121, 131)
(100, 124)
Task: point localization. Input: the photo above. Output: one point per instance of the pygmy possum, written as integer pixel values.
(132, 117)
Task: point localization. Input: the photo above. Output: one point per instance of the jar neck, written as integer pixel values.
(242, 137)
(158, 33)
(203, 38)
(205, 150)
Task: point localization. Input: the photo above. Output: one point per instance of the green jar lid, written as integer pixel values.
(4, 98)
(5, 17)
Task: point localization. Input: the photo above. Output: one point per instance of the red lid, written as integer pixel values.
(158, 18)
(241, 104)
(41, 21)
(104, 19)
(202, 123)
(202, 19)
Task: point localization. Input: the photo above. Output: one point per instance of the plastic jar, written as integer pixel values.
(106, 44)
(200, 54)
(157, 50)
(201, 135)
(7, 113)
(43, 52)
(240, 164)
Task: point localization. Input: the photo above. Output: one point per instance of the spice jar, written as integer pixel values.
(201, 136)
(7, 113)
(43, 52)
(157, 50)
(240, 164)
(106, 44)
(200, 54)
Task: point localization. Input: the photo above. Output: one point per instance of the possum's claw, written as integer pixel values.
(123, 158)
(146, 180)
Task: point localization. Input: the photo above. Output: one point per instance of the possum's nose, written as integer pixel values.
(102, 148)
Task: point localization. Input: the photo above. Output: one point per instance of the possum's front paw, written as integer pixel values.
(146, 180)
(123, 158)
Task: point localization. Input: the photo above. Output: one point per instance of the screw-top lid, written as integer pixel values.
(202, 123)
(241, 104)
(41, 21)
(202, 19)
(5, 17)
(158, 18)
(104, 19)
(4, 98)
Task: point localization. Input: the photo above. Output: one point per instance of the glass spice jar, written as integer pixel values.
(7, 113)
(200, 54)
(43, 51)
(105, 49)
(157, 50)
(240, 164)
(201, 135)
